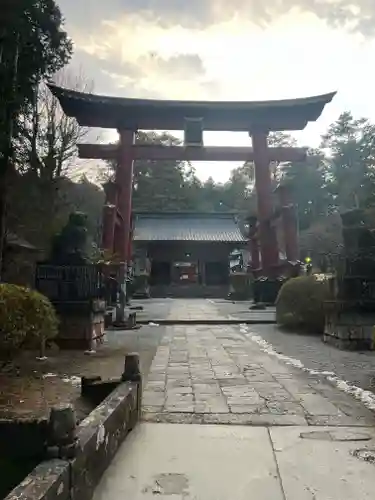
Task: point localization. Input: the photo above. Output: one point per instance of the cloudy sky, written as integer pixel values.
(229, 49)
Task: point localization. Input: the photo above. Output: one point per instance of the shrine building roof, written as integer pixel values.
(198, 227)
(92, 110)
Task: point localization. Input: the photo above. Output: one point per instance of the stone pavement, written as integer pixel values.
(297, 437)
(215, 374)
(358, 368)
(196, 310)
(218, 462)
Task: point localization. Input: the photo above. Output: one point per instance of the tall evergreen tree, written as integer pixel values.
(33, 46)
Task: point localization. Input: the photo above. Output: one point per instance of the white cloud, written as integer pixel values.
(358, 16)
(239, 50)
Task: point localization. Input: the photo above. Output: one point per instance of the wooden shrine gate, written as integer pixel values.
(256, 118)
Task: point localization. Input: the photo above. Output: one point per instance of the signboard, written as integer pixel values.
(69, 283)
(193, 132)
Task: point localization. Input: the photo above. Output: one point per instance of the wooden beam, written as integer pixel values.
(180, 153)
(98, 151)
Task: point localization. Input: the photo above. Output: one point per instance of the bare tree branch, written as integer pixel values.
(48, 144)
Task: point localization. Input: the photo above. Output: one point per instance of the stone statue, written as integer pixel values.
(70, 245)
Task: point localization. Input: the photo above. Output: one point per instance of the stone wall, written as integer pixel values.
(76, 465)
(350, 330)
(80, 330)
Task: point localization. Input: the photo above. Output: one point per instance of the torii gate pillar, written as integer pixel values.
(124, 180)
(267, 234)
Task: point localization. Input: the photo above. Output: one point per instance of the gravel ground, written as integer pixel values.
(29, 387)
(355, 367)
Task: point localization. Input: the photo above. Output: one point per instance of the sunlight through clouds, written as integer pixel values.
(238, 50)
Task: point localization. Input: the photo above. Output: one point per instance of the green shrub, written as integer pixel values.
(27, 318)
(300, 303)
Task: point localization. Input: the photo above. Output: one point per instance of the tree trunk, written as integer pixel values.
(9, 115)
(3, 204)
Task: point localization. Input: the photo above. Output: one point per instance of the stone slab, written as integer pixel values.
(99, 437)
(315, 404)
(193, 462)
(322, 469)
(48, 481)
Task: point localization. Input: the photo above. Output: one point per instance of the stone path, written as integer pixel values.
(299, 437)
(356, 367)
(221, 462)
(217, 375)
(195, 310)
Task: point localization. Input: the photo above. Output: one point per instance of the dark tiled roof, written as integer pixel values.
(187, 227)
(148, 114)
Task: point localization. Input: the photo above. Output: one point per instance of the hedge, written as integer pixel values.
(27, 319)
(300, 302)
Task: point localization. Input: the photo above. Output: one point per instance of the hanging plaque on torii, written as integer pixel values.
(193, 132)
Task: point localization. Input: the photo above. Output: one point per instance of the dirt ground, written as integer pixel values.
(29, 387)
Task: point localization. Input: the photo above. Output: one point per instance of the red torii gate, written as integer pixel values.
(130, 115)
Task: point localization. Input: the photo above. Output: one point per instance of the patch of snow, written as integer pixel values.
(100, 437)
(74, 380)
(28, 480)
(366, 397)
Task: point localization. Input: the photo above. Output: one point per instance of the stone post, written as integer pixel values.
(62, 432)
(132, 373)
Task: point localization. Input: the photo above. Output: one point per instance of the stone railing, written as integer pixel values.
(78, 455)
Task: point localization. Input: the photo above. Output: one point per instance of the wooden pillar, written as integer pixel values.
(130, 245)
(254, 252)
(124, 180)
(263, 185)
(290, 225)
(253, 242)
(109, 217)
(108, 232)
(117, 238)
(202, 270)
